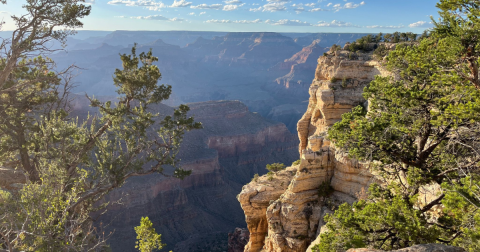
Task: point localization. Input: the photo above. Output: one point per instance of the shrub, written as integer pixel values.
(296, 162)
(275, 167)
(325, 189)
(255, 177)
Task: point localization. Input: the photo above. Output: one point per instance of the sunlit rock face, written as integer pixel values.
(285, 213)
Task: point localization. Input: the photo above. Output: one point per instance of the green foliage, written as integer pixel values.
(386, 223)
(147, 239)
(275, 167)
(297, 162)
(325, 189)
(71, 164)
(381, 51)
(255, 177)
(270, 176)
(422, 128)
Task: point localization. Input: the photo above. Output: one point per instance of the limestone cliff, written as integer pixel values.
(286, 213)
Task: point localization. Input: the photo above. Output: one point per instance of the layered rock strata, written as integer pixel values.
(198, 212)
(289, 217)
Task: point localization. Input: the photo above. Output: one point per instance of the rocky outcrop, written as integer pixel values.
(238, 240)
(417, 248)
(326, 177)
(336, 89)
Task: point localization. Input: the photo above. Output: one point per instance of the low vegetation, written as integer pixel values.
(275, 167)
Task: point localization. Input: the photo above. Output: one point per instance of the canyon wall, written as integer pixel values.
(285, 212)
(197, 213)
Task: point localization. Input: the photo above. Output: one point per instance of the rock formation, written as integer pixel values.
(238, 240)
(288, 216)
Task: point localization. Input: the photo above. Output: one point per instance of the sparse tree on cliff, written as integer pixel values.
(71, 164)
(147, 239)
(422, 129)
(275, 167)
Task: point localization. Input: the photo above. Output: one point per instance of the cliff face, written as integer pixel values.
(288, 218)
(197, 212)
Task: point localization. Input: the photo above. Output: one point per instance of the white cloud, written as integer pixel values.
(256, 9)
(202, 13)
(278, 1)
(310, 5)
(335, 23)
(256, 21)
(218, 21)
(287, 22)
(154, 17)
(419, 24)
(273, 7)
(180, 3)
(151, 17)
(226, 21)
(231, 7)
(149, 4)
(89, 1)
(351, 5)
(317, 9)
(385, 27)
(233, 2)
(206, 6)
(298, 8)
(176, 19)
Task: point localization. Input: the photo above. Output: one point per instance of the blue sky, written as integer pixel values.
(340, 16)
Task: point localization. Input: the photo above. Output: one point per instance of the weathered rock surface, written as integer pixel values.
(417, 248)
(336, 89)
(293, 218)
(238, 240)
(294, 215)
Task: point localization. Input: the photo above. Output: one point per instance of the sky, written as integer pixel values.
(339, 16)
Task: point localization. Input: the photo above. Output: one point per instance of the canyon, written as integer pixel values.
(269, 72)
(196, 213)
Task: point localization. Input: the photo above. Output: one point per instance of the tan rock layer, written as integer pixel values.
(289, 219)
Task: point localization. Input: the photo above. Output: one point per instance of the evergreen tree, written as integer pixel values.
(422, 129)
(71, 164)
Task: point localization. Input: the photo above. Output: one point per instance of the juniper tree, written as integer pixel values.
(422, 129)
(71, 164)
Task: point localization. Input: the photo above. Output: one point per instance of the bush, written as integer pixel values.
(296, 162)
(275, 167)
(255, 177)
(325, 189)
(381, 51)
